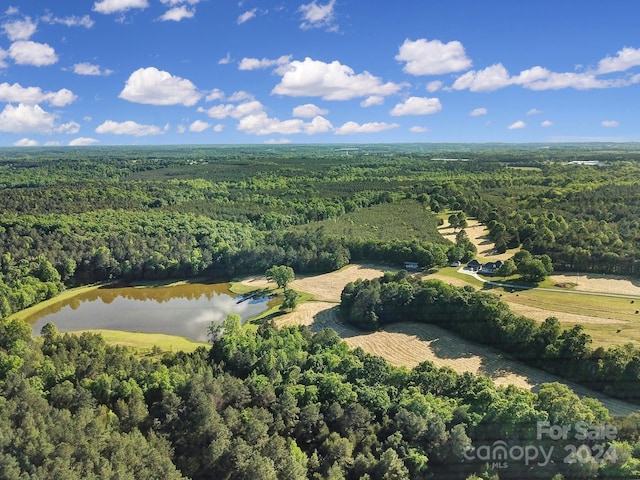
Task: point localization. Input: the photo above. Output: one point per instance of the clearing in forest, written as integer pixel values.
(478, 235)
(406, 219)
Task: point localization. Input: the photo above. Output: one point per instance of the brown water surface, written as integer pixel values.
(186, 310)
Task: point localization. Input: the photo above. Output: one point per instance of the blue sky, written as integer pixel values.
(135, 72)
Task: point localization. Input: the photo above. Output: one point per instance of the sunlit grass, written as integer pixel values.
(147, 344)
(67, 294)
(615, 321)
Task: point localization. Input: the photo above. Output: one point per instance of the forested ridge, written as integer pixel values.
(286, 403)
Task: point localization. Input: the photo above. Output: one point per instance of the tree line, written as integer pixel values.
(485, 318)
(271, 403)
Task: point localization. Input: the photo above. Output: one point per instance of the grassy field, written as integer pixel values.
(451, 276)
(147, 344)
(608, 320)
(402, 219)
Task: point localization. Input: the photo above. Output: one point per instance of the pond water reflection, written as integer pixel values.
(186, 310)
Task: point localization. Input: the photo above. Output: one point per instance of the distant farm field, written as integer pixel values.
(399, 220)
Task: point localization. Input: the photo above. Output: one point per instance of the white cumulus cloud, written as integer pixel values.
(177, 14)
(490, 78)
(72, 21)
(434, 86)
(19, 29)
(16, 93)
(610, 123)
(26, 52)
(116, 6)
(432, 57)
(246, 16)
(625, 59)
(256, 63)
(129, 128)
(83, 142)
(331, 81)
(517, 125)
(308, 110)
(239, 96)
(215, 94)
(25, 119)
(60, 98)
(90, 69)
(371, 127)
(539, 78)
(262, 124)
(371, 101)
(319, 124)
(318, 16)
(234, 111)
(417, 106)
(476, 112)
(418, 129)
(26, 142)
(70, 127)
(199, 126)
(546, 123)
(157, 87)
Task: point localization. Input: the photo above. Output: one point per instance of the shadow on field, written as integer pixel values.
(331, 319)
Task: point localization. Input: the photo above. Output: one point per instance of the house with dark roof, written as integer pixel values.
(474, 265)
(490, 267)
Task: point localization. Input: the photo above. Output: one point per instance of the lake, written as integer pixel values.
(185, 310)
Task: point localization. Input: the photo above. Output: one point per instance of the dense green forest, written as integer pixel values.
(96, 214)
(277, 404)
(286, 403)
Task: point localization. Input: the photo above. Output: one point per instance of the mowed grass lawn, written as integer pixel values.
(400, 220)
(612, 321)
(148, 344)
